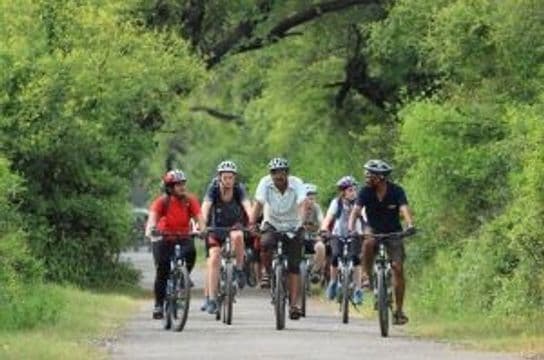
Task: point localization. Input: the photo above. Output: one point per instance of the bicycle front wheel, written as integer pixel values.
(179, 308)
(383, 303)
(229, 294)
(345, 294)
(303, 285)
(279, 297)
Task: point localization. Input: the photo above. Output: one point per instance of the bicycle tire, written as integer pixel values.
(167, 316)
(229, 294)
(383, 303)
(345, 294)
(279, 297)
(219, 296)
(179, 308)
(303, 285)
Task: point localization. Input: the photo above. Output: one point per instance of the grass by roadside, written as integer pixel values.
(85, 319)
(520, 336)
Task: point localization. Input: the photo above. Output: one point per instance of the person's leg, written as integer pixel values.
(268, 243)
(214, 263)
(162, 266)
(397, 255)
(294, 256)
(332, 288)
(357, 270)
(238, 244)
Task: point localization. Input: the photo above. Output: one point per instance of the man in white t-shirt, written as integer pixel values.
(281, 197)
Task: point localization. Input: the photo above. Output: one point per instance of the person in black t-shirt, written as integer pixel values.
(383, 203)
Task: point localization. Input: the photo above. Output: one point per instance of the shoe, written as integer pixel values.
(240, 276)
(399, 318)
(332, 290)
(204, 305)
(158, 312)
(265, 282)
(294, 313)
(212, 307)
(358, 296)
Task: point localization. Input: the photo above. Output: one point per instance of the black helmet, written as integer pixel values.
(378, 167)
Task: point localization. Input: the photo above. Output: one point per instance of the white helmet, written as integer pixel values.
(310, 189)
(227, 166)
(278, 163)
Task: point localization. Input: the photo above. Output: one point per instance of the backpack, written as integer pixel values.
(216, 192)
(339, 208)
(215, 196)
(166, 204)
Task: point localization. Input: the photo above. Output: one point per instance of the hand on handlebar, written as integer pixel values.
(410, 230)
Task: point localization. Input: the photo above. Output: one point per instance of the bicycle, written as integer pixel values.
(250, 263)
(306, 268)
(226, 289)
(178, 287)
(279, 289)
(381, 279)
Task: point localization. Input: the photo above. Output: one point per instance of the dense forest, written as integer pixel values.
(97, 95)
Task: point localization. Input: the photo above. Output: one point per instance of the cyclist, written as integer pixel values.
(224, 205)
(383, 201)
(282, 197)
(337, 219)
(311, 220)
(170, 215)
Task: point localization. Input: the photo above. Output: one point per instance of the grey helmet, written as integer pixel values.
(378, 167)
(227, 166)
(346, 182)
(278, 163)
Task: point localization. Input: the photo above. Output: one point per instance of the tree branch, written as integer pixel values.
(216, 113)
(245, 28)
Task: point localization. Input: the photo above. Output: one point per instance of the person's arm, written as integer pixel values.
(302, 200)
(205, 213)
(246, 205)
(260, 196)
(151, 223)
(407, 215)
(329, 216)
(353, 215)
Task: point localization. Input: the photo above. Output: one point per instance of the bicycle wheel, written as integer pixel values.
(345, 294)
(220, 295)
(303, 285)
(279, 297)
(179, 308)
(383, 306)
(167, 319)
(229, 294)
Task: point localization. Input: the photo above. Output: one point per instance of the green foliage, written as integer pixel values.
(81, 94)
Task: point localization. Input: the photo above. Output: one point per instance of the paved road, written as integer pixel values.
(253, 336)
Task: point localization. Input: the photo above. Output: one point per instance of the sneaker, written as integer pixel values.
(212, 307)
(358, 296)
(240, 276)
(332, 290)
(204, 305)
(294, 313)
(158, 312)
(399, 318)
